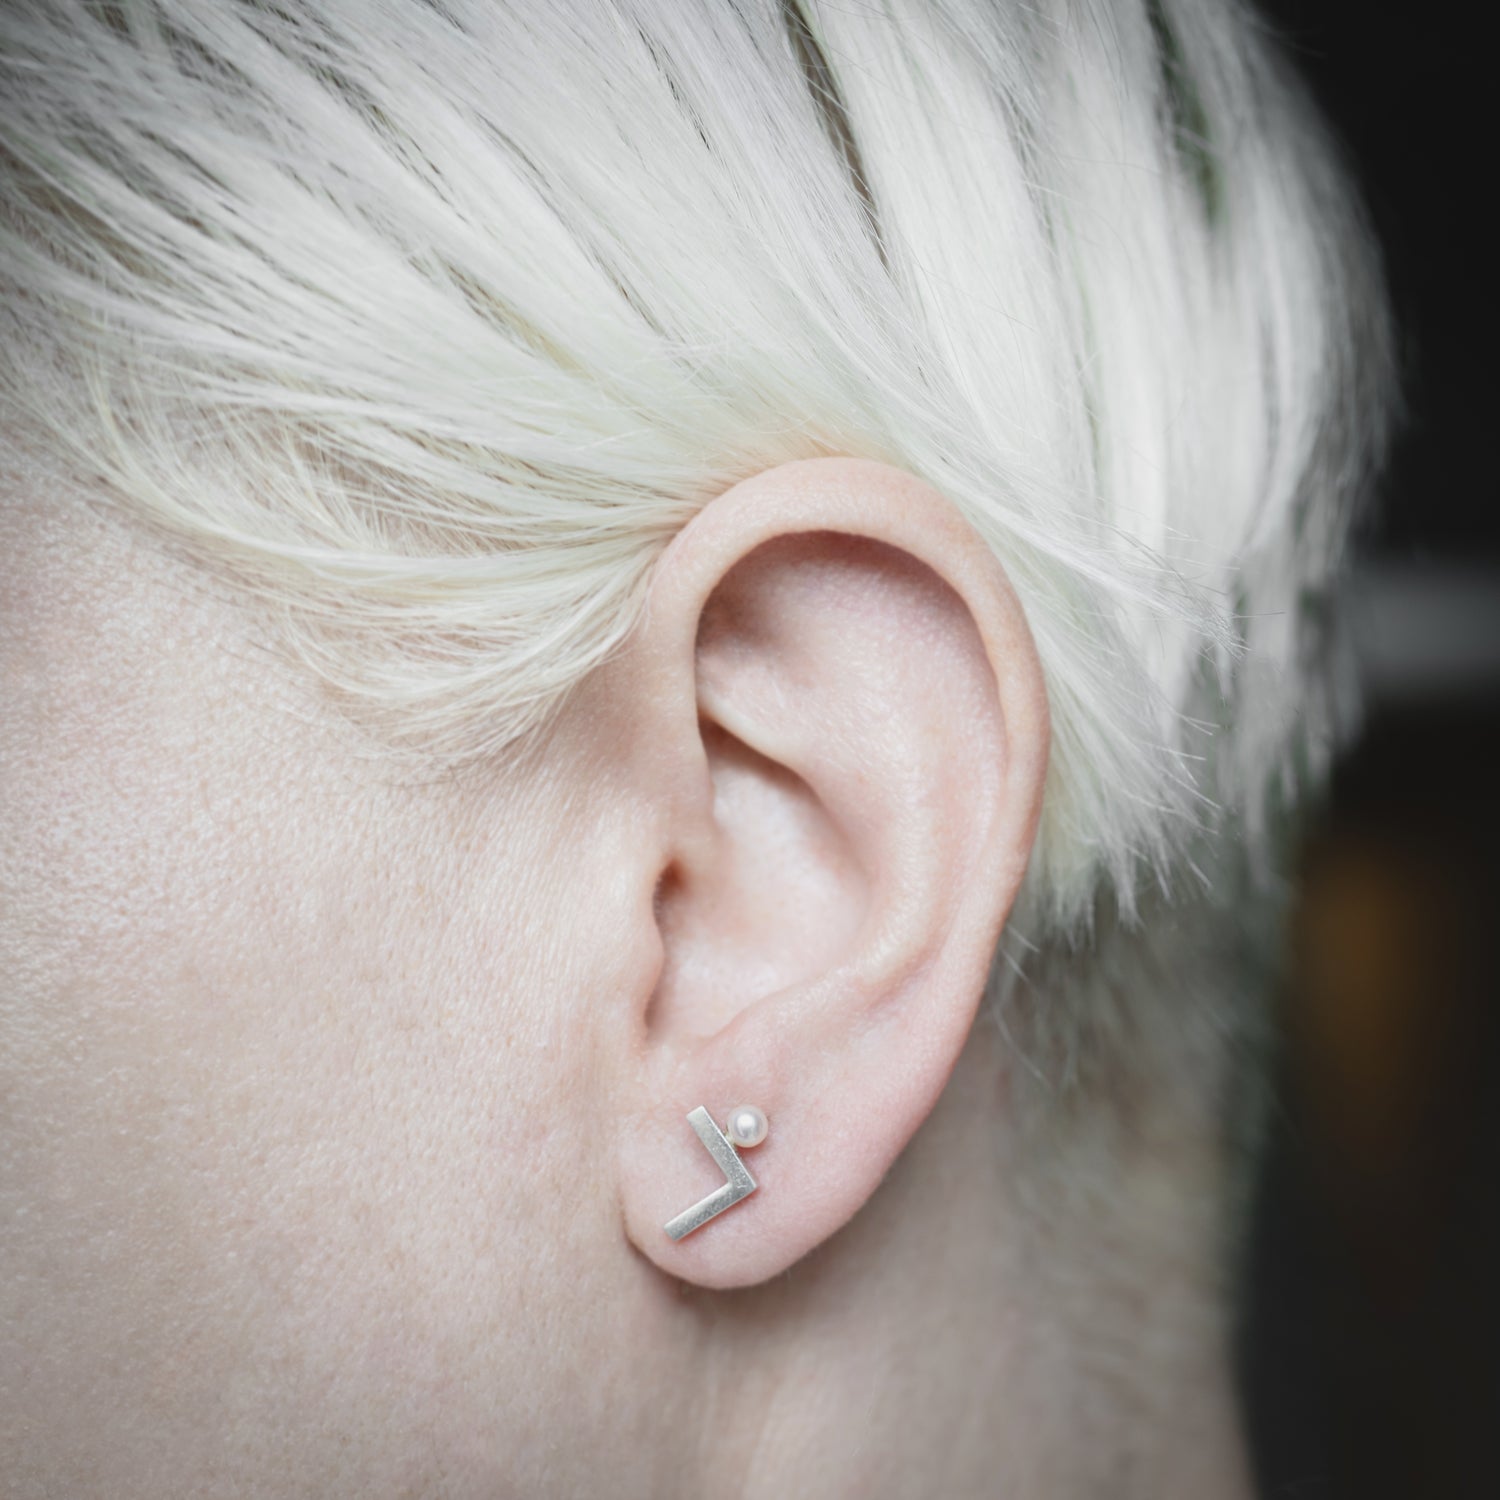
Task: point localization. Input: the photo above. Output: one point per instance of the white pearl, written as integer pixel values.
(747, 1125)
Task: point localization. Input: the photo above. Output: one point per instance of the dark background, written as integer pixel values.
(1370, 1350)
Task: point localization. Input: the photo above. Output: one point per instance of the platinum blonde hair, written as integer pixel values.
(434, 322)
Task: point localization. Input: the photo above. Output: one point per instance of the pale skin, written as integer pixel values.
(342, 1108)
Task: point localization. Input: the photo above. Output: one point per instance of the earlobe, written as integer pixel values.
(841, 676)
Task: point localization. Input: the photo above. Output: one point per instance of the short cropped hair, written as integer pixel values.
(433, 322)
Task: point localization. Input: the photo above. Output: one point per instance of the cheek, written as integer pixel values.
(298, 1113)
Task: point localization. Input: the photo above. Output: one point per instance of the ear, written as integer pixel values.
(835, 707)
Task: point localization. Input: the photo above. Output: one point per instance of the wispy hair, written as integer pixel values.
(433, 322)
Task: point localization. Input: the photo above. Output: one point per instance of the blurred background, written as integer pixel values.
(1371, 1338)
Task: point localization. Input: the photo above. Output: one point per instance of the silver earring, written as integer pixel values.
(747, 1126)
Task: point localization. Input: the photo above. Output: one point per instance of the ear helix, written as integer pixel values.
(746, 1126)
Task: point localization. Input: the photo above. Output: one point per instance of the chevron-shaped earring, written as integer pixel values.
(747, 1127)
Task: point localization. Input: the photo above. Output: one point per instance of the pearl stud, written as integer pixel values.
(747, 1125)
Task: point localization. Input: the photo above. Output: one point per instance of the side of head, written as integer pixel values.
(576, 561)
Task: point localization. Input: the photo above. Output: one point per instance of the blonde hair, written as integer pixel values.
(435, 321)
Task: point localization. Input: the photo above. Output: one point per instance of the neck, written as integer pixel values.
(945, 1343)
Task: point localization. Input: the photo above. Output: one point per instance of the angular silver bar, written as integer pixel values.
(740, 1184)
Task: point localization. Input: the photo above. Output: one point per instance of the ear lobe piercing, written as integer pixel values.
(747, 1126)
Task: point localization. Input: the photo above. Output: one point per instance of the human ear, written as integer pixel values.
(835, 705)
